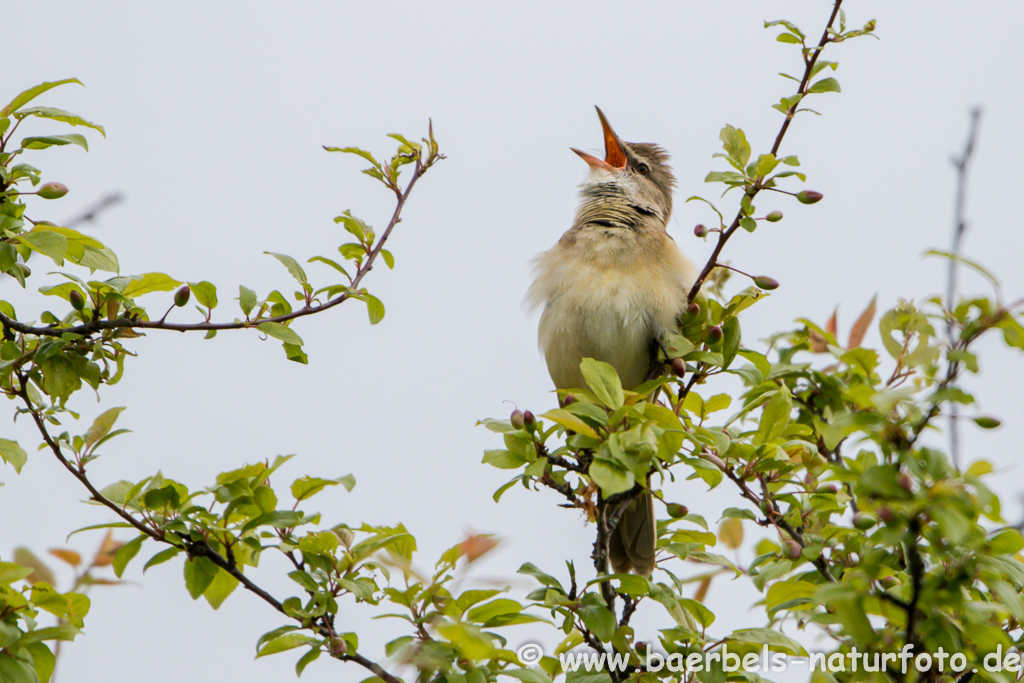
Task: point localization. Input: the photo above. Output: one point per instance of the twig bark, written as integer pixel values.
(959, 227)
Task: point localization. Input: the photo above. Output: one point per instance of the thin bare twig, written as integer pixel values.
(959, 227)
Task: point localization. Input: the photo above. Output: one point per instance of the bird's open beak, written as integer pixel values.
(614, 157)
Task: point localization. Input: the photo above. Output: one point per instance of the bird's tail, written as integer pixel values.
(632, 542)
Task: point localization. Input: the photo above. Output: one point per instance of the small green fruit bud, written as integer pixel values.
(832, 489)
(765, 282)
(792, 549)
(53, 190)
(700, 230)
(886, 514)
(529, 420)
(691, 313)
(864, 521)
(337, 647)
(767, 507)
(76, 299)
(774, 217)
(569, 400)
(890, 582)
(809, 197)
(677, 511)
(905, 481)
(678, 367)
(713, 335)
(181, 297)
(517, 419)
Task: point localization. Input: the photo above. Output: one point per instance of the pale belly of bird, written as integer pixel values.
(610, 316)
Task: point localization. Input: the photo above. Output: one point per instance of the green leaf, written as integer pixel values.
(569, 421)
(604, 382)
(292, 265)
(784, 591)
(375, 308)
(774, 416)
(199, 574)
(47, 242)
(388, 257)
(279, 331)
(482, 614)
(598, 619)
(773, 639)
(307, 487)
(285, 642)
(125, 554)
(825, 85)
(611, 477)
(355, 150)
(11, 572)
(306, 659)
(101, 426)
(59, 115)
(332, 264)
(44, 141)
(1006, 542)
(28, 95)
(205, 293)
(149, 282)
(13, 454)
(222, 586)
(246, 300)
(735, 144)
(161, 557)
(787, 38)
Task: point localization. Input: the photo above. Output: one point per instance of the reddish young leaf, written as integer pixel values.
(860, 328)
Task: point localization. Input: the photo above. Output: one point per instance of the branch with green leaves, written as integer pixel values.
(757, 175)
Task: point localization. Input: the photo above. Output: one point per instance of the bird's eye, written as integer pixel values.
(643, 169)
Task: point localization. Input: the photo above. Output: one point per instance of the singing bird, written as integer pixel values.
(611, 289)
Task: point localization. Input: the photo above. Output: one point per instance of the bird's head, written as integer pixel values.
(639, 170)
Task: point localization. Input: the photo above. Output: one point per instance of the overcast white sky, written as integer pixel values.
(215, 116)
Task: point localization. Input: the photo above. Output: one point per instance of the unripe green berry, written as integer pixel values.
(691, 313)
(529, 420)
(713, 335)
(864, 521)
(809, 197)
(76, 299)
(517, 419)
(678, 367)
(337, 647)
(886, 514)
(774, 217)
(905, 481)
(765, 282)
(700, 230)
(828, 488)
(792, 549)
(182, 296)
(53, 190)
(677, 511)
